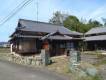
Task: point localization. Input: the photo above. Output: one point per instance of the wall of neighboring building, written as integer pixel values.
(96, 45)
(4, 44)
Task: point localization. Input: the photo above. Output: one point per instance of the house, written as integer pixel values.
(32, 36)
(95, 39)
(4, 44)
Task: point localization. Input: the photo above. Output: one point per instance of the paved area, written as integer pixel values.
(11, 71)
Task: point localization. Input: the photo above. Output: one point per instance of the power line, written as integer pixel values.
(12, 11)
(17, 9)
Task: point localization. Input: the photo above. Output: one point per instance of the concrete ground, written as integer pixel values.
(11, 71)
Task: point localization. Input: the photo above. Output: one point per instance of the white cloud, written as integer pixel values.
(99, 12)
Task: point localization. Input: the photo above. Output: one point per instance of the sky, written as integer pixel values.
(86, 9)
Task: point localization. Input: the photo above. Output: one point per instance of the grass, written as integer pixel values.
(4, 53)
(89, 52)
(97, 52)
(61, 65)
(4, 50)
(97, 77)
(102, 62)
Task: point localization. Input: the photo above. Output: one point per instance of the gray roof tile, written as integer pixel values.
(95, 38)
(28, 25)
(96, 30)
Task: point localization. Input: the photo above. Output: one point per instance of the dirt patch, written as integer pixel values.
(60, 64)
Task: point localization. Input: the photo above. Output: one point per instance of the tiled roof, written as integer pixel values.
(95, 38)
(96, 30)
(34, 26)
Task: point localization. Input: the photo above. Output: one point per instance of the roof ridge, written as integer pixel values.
(99, 27)
(32, 25)
(39, 22)
(95, 30)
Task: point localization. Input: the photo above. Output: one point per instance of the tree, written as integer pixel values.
(104, 20)
(92, 24)
(58, 18)
(72, 22)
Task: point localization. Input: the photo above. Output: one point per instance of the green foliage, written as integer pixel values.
(73, 23)
(104, 20)
(92, 24)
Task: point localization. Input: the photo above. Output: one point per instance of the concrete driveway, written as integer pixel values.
(11, 71)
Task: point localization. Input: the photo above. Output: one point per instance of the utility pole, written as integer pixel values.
(37, 13)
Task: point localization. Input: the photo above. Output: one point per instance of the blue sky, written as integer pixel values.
(81, 8)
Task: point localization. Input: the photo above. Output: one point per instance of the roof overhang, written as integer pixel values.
(96, 38)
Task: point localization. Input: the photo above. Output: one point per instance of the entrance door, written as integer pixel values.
(57, 48)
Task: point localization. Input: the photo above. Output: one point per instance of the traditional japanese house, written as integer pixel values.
(95, 39)
(32, 36)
